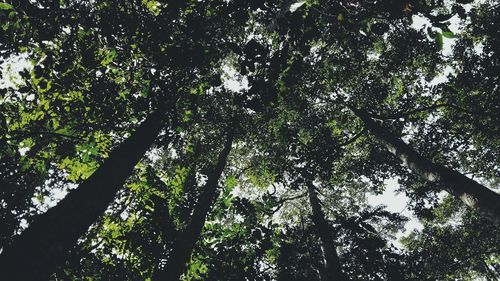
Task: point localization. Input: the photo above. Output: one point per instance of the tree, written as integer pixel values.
(45, 243)
(332, 270)
(461, 251)
(185, 242)
(473, 194)
(117, 158)
(121, 161)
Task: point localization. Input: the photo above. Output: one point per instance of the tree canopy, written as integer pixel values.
(245, 140)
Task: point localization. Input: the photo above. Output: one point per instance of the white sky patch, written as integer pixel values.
(443, 77)
(58, 194)
(420, 22)
(23, 150)
(10, 69)
(297, 5)
(232, 80)
(396, 202)
(155, 154)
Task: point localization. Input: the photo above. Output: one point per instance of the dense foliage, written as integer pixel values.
(244, 140)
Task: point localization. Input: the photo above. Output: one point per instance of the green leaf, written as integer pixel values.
(231, 182)
(187, 115)
(448, 34)
(439, 41)
(6, 6)
(109, 56)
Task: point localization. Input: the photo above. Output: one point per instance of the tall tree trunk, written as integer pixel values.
(476, 196)
(332, 270)
(45, 243)
(186, 241)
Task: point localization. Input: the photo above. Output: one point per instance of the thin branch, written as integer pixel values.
(354, 138)
(282, 202)
(429, 108)
(24, 134)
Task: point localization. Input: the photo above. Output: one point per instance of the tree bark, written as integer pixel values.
(476, 196)
(44, 245)
(332, 270)
(184, 245)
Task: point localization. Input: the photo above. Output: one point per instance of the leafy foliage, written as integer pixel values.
(92, 71)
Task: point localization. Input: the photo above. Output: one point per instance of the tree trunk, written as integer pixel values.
(43, 246)
(476, 196)
(332, 270)
(186, 241)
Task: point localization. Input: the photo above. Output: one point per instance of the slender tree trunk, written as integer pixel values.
(332, 270)
(476, 196)
(186, 241)
(44, 245)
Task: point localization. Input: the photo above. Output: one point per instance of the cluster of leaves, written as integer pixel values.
(97, 69)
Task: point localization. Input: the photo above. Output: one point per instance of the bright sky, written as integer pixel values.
(397, 203)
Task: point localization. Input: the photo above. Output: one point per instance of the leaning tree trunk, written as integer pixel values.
(43, 246)
(186, 241)
(332, 270)
(476, 196)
